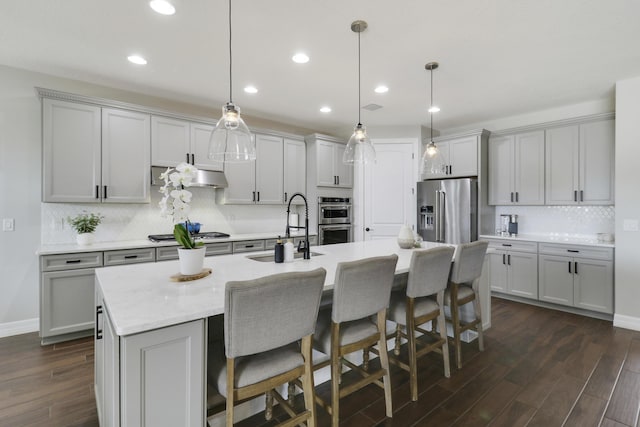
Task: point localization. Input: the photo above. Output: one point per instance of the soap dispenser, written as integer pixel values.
(279, 251)
(288, 251)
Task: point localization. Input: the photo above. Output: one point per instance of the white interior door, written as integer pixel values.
(389, 191)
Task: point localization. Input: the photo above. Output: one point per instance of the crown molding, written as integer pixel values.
(556, 123)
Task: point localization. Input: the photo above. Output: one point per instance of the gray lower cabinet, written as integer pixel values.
(165, 253)
(248, 246)
(513, 268)
(154, 378)
(577, 276)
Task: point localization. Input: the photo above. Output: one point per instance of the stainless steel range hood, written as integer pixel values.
(215, 179)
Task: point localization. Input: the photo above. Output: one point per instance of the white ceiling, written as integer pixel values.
(497, 58)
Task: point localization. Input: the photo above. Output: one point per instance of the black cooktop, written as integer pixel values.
(204, 235)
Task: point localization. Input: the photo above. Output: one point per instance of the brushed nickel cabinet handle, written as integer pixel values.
(582, 195)
(575, 267)
(575, 195)
(569, 267)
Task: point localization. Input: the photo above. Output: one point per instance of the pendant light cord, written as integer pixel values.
(359, 108)
(230, 60)
(431, 106)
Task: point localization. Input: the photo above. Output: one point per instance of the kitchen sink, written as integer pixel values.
(270, 257)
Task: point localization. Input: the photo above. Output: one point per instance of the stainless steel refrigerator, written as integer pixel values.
(448, 210)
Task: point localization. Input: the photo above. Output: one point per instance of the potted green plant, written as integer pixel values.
(175, 204)
(85, 225)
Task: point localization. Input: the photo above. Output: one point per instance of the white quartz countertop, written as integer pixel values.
(53, 249)
(584, 240)
(141, 297)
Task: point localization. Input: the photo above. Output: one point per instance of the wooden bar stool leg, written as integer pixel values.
(365, 359)
(411, 336)
(268, 399)
(443, 334)
(230, 391)
(384, 360)
(307, 381)
(291, 393)
(455, 317)
(335, 374)
(479, 327)
(396, 348)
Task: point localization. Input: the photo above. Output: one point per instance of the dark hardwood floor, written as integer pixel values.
(540, 368)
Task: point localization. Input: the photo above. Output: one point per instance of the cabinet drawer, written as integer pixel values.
(248, 246)
(313, 240)
(129, 256)
(165, 253)
(577, 251)
(218, 249)
(70, 261)
(511, 245)
(271, 243)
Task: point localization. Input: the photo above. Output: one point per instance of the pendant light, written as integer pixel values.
(431, 159)
(231, 140)
(359, 148)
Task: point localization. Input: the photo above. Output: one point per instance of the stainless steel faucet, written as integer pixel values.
(306, 249)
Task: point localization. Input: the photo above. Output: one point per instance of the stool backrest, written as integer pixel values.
(362, 287)
(429, 271)
(270, 312)
(467, 265)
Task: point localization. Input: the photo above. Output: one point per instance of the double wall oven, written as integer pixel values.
(334, 220)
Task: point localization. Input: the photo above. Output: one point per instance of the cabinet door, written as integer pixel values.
(200, 135)
(501, 170)
(67, 302)
(70, 152)
(269, 170)
(342, 170)
(169, 141)
(593, 285)
(163, 376)
(241, 178)
(463, 156)
(326, 175)
(561, 165)
(111, 361)
(295, 169)
(529, 168)
(597, 143)
(523, 274)
(498, 271)
(126, 146)
(555, 279)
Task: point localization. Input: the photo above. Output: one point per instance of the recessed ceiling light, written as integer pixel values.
(163, 7)
(251, 89)
(433, 109)
(325, 109)
(381, 89)
(300, 58)
(137, 59)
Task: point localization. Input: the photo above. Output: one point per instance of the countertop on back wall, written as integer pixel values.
(65, 248)
(576, 239)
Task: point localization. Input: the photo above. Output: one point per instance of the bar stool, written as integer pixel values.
(361, 291)
(263, 321)
(428, 277)
(463, 288)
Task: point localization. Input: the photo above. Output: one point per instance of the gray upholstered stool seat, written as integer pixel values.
(268, 330)
(463, 287)
(255, 368)
(422, 301)
(361, 290)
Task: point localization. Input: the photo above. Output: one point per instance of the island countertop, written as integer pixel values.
(142, 297)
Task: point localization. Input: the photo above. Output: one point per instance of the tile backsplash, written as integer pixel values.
(562, 220)
(137, 221)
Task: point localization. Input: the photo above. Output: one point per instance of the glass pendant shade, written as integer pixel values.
(231, 139)
(359, 148)
(431, 160)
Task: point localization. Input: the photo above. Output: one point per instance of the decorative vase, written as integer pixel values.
(84, 239)
(191, 260)
(405, 237)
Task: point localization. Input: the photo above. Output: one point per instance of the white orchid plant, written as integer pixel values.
(175, 203)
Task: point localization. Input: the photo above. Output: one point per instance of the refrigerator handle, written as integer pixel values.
(443, 197)
(437, 215)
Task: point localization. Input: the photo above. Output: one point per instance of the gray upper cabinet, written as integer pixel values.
(324, 161)
(295, 169)
(93, 154)
(516, 169)
(459, 158)
(580, 164)
(174, 141)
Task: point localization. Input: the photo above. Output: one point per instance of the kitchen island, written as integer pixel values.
(151, 334)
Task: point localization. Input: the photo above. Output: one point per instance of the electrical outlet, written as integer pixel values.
(8, 224)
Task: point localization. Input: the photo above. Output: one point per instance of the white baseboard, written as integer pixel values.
(626, 322)
(19, 327)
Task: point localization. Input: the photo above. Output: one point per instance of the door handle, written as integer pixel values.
(509, 259)
(582, 195)
(570, 267)
(187, 154)
(254, 197)
(512, 197)
(285, 197)
(575, 267)
(437, 216)
(193, 159)
(517, 197)
(105, 191)
(367, 229)
(575, 195)
(97, 191)
(443, 196)
(258, 196)
(503, 259)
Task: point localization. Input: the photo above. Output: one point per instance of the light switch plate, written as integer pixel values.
(630, 225)
(8, 224)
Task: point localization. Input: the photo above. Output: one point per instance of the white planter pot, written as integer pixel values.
(191, 260)
(405, 237)
(84, 239)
